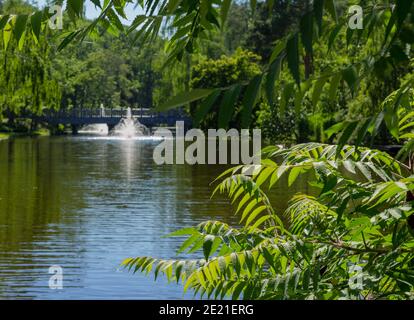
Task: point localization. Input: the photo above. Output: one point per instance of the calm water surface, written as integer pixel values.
(85, 204)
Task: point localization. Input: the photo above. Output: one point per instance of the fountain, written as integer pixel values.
(129, 127)
(97, 128)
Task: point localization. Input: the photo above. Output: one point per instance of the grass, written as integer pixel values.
(4, 136)
(37, 133)
(41, 132)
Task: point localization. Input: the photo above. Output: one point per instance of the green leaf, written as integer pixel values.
(20, 26)
(187, 19)
(333, 87)
(346, 134)
(182, 232)
(3, 21)
(115, 20)
(298, 101)
(330, 6)
(334, 129)
(253, 4)
(364, 170)
(36, 23)
(391, 121)
(76, 6)
(362, 132)
(187, 243)
(227, 106)
(330, 183)
(69, 38)
(391, 23)
(349, 34)
(402, 9)
(178, 270)
(205, 107)
(334, 33)
(264, 175)
(249, 100)
(294, 173)
(139, 19)
(21, 41)
(272, 76)
(259, 222)
(306, 31)
(7, 32)
(318, 12)
(119, 8)
(253, 215)
(299, 96)
(350, 76)
(350, 166)
(237, 290)
(287, 94)
(185, 98)
(225, 6)
(173, 5)
(281, 45)
(207, 245)
(97, 3)
(317, 90)
(292, 50)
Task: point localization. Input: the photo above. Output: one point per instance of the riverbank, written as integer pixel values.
(4, 136)
(36, 133)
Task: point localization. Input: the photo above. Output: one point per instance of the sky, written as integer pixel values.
(92, 12)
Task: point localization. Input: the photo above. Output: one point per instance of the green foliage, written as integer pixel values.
(394, 114)
(223, 73)
(26, 84)
(282, 128)
(268, 26)
(226, 71)
(379, 49)
(347, 82)
(352, 240)
(104, 69)
(370, 54)
(110, 71)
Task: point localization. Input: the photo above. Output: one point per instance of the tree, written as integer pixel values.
(26, 84)
(355, 239)
(105, 69)
(268, 26)
(237, 25)
(224, 72)
(339, 244)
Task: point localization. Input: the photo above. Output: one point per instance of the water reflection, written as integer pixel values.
(86, 203)
(32, 210)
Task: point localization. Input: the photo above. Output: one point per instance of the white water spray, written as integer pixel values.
(129, 127)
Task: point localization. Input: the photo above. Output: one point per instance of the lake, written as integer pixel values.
(86, 203)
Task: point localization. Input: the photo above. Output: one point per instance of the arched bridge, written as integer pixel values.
(79, 117)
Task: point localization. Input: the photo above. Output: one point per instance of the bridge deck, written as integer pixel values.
(111, 117)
